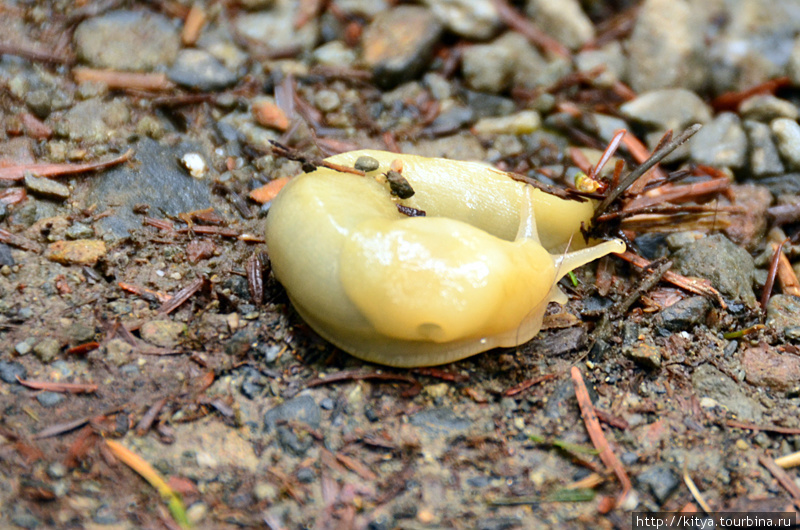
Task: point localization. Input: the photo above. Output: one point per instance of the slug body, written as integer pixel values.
(472, 275)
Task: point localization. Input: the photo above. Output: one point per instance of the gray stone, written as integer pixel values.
(10, 370)
(720, 143)
(301, 409)
(491, 67)
(6, 258)
(607, 126)
(199, 70)
(793, 66)
(47, 349)
(666, 47)
(127, 40)
(783, 312)
(685, 314)
(786, 184)
(787, 137)
(710, 382)
(532, 69)
(78, 230)
(275, 28)
(118, 352)
(661, 482)
(729, 267)
(80, 332)
(154, 178)
(667, 109)
(610, 57)
(164, 333)
(398, 44)
(644, 354)
(363, 8)
(46, 187)
(473, 19)
(335, 53)
(764, 157)
(49, 399)
(766, 107)
(562, 19)
(440, 423)
(93, 120)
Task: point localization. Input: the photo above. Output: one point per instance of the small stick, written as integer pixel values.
(114, 79)
(67, 388)
(787, 277)
(773, 270)
(631, 177)
(693, 285)
(54, 170)
(181, 296)
(695, 491)
(781, 476)
(525, 385)
(596, 434)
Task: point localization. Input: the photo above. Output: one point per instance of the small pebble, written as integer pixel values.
(49, 399)
(195, 164)
(787, 137)
(80, 252)
(46, 187)
(47, 350)
(366, 164)
(10, 370)
(766, 107)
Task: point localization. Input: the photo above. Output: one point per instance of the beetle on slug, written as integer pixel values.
(476, 273)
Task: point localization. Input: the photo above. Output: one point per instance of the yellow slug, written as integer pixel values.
(472, 275)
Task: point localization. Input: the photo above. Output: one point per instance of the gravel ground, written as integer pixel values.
(138, 311)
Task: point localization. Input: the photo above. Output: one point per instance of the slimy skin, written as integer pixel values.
(472, 275)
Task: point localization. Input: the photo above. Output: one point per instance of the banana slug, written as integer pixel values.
(475, 273)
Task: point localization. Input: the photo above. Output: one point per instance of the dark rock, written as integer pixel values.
(440, 422)
(127, 40)
(729, 267)
(199, 70)
(499, 523)
(786, 184)
(560, 400)
(253, 383)
(451, 120)
(10, 370)
(301, 409)
(306, 475)
(661, 481)
(644, 354)
(560, 341)
(710, 382)
(5, 256)
(685, 314)
(764, 157)
(487, 105)
(154, 178)
(49, 399)
(398, 44)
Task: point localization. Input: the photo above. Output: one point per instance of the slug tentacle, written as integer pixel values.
(476, 273)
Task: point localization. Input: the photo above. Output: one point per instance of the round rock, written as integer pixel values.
(473, 19)
(398, 44)
(127, 40)
(667, 109)
(721, 142)
(199, 70)
(787, 137)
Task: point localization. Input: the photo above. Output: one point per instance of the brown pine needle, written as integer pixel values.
(695, 492)
(55, 170)
(67, 388)
(596, 434)
(148, 472)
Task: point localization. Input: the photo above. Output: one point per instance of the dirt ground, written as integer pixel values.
(153, 373)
